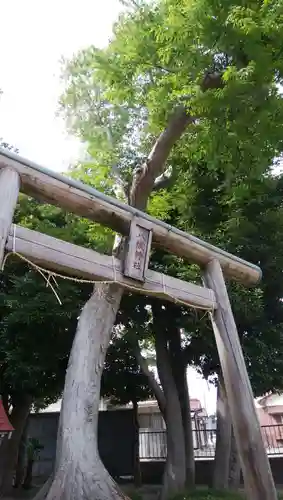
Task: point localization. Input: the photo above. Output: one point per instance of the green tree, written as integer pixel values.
(36, 333)
(222, 82)
(250, 225)
(37, 326)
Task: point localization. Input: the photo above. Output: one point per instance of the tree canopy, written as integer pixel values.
(166, 57)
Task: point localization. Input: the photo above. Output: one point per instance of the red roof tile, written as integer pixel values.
(5, 425)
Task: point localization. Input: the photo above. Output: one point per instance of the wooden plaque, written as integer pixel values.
(138, 250)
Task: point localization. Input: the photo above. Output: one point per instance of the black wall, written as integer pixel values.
(116, 435)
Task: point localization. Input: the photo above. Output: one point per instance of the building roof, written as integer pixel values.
(195, 404)
(5, 425)
(270, 400)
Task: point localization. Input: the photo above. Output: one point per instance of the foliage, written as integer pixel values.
(223, 187)
(6, 145)
(33, 449)
(134, 495)
(36, 331)
(251, 228)
(122, 380)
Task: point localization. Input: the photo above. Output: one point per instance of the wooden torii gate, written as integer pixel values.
(18, 174)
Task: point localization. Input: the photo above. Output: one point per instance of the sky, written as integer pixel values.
(34, 37)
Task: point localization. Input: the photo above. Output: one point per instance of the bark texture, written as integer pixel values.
(137, 465)
(175, 470)
(180, 375)
(223, 439)
(154, 385)
(174, 478)
(9, 447)
(173, 401)
(20, 469)
(27, 484)
(79, 472)
(234, 465)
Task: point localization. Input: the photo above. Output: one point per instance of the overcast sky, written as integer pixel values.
(34, 36)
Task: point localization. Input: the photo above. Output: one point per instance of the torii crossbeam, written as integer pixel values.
(18, 174)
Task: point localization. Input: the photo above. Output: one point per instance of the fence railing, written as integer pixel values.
(153, 442)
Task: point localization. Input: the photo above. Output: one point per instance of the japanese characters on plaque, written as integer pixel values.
(141, 248)
(136, 259)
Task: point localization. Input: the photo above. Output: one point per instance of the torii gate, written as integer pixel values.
(18, 174)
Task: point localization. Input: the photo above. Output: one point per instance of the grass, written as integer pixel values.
(208, 495)
(199, 494)
(213, 495)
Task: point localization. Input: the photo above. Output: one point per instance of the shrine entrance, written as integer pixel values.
(142, 231)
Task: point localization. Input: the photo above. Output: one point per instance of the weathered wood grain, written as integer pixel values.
(84, 201)
(73, 260)
(9, 191)
(137, 251)
(254, 461)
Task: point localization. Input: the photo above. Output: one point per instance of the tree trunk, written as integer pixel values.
(20, 469)
(27, 484)
(137, 465)
(180, 376)
(43, 492)
(152, 382)
(234, 465)
(188, 434)
(79, 472)
(9, 447)
(174, 478)
(223, 439)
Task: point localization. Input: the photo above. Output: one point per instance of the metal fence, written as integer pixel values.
(153, 442)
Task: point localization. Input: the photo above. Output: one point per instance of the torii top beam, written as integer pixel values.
(50, 187)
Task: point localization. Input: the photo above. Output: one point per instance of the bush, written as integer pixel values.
(134, 495)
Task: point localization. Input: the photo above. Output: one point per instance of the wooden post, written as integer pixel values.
(257, 474)
(9, 191)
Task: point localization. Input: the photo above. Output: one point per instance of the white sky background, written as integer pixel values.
(34, 36)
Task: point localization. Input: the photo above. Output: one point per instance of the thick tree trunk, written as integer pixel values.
(9, 447)
(137, 465)
(27, 484)
(188, 434)
(20, 469)
(79, 472)
(152, 382)
(174, 478)
(180, 376)
(223, 439)
(234, 465)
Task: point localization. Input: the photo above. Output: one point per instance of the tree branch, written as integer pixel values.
(155, 387)
(145, 176)
(163, 181)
